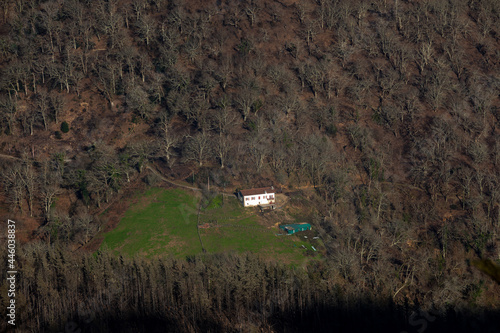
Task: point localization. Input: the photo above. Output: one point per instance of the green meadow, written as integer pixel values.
(163, 222)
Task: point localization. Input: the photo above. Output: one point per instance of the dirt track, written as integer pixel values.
(181, 185)
(10, 157)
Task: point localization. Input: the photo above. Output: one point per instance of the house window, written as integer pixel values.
(253, 198)
(246, 199)
(271, 197)
(259, 198)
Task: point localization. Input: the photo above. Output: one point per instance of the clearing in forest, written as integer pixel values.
(164, 222)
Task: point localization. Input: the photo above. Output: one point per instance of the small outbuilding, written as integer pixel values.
(296, 227)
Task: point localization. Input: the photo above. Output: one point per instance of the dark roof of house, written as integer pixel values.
(256, 191)
(295, 225)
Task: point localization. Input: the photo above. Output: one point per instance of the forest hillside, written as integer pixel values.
(378, 119)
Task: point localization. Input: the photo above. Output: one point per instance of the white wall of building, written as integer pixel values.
(259, 199)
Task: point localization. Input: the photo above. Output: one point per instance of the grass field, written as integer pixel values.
(164, 222)
(238, 229)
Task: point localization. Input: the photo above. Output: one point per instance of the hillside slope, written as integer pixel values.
(379, 120)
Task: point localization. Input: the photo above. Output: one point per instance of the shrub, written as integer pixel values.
(64, 127)
(478, 151)
(58, 135)
(152, 179)
(215, 202)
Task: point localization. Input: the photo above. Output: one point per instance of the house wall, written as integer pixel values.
(259, 199)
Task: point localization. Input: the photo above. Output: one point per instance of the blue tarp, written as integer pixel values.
(293, 228)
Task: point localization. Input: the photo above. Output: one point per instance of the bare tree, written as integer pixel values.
(43, 104)
(300, 11)
(314, 76)
(343, 51)
(138, 101)
(146, 27)
(140, 152)
(288, 104)
(156, 90)
(223, 119)
(84, 225)
(477, 151)
(392, 117)
(482, 96)
(48, 192)
(252, 10)
(309, 31)
(222, 147)
(456, 57)
(424, 56)
(63, 74)
(197, 147)
(29, 119)
(29, 177)
(359, 137)
(224, 71)
(336, 190)
(9, 113)
(316, 153)
(97, 186)
(169, 140)
(389, 82)
(258, 150)
(275, 73)
(13, 185)
(57, 105)
(246, 97)
(436, 87)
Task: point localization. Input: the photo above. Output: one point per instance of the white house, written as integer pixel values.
(257, 196)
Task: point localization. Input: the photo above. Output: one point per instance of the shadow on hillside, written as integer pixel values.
(364, 316)
(368, 317)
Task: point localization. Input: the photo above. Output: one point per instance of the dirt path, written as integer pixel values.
(181, 185)
(403, 185)
(153, 170)
(10, 157)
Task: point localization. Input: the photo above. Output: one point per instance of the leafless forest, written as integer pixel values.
(385, 110)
